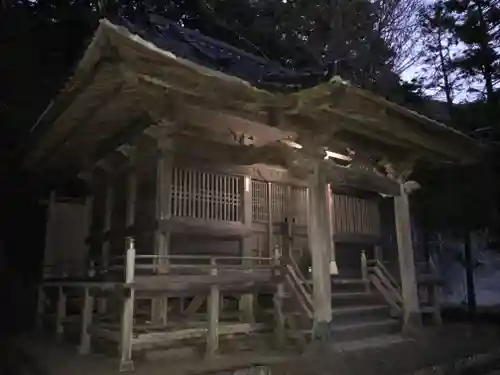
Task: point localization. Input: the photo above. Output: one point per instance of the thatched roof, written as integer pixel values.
(130, 77)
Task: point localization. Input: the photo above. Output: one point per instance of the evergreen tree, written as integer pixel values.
(440, 76)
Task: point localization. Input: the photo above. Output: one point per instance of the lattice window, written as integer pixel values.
(206, 195)
(279, 202)
(260, 210)
(299, 201)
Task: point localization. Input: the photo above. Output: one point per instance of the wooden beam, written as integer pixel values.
(321, 251)
(412, 318)
(298, 162)
(195, 305)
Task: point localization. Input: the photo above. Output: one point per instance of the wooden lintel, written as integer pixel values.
(358, 178)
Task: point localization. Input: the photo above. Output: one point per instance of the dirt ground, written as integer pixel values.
(431, 347)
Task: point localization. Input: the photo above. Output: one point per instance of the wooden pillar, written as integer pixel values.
(86, 322)
(40, 308)
(213, 316)
(411, 318)
(334, 270)
(131, 196)
(127, 319)
(102, 303)
(49, 238)
(108, 204)
(270, 225)
(60, 312)
(320, 247)
(469, 275)
(89, 204)
(364, 271)
(246, 302)
(106, 245)
(162, 238)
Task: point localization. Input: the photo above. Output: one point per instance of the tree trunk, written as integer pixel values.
(469, 275)
(444, 63)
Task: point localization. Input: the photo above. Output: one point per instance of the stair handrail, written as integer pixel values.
(379, 265)
(295, 280)
(386, 284)
(433, 269)
(300, 275)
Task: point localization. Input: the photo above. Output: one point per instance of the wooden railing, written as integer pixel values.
(116, 267)
(429, 284)
(386, 284)
(299, 288)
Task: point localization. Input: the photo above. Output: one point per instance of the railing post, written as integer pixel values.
(127, 320)
(364, 271)
(213, 314)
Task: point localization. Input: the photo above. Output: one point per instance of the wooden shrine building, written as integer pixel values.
(214, 180)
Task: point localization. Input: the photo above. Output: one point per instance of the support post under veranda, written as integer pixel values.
(320, 245)
(86, 321)
(127, 319)
(40, 311)
(60, 312)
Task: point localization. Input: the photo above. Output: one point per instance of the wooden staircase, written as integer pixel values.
(298, 310)
(359, 312)
(365, 306)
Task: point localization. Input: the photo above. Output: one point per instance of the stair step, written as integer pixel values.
(361, 313)
(347, 284)
(370, 343)
(357, 309)
(340, 299)
(339, 280)
(358, 331)
(426, 309)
